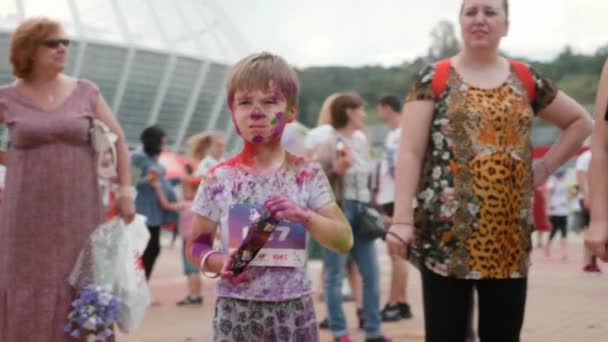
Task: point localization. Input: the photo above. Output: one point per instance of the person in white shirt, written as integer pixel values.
(389, 111)
(582, 177)
(315, 138)
(558, 210)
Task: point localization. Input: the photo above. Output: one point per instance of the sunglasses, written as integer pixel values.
(54, 43)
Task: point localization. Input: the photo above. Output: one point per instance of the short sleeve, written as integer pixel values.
(318, 187)
(91, 91)
(211, 196)
(422, 87)
(546, 91)
(582, 162)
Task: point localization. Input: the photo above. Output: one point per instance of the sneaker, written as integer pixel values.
(324, 324)
(406, 312)
(360, 317)
(190, 301)
(391, 313)
(592, 268)
(378, 339)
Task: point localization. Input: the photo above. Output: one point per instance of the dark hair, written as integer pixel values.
(505, 5)
(340, 105)
(152, 140)
(391, 100)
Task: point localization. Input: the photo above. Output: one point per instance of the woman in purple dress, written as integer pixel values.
(51, 200)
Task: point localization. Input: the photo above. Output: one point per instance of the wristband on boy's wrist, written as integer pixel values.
(204, 260)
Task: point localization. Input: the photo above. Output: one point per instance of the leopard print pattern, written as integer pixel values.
(499, 123)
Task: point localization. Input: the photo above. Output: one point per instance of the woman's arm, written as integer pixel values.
(2, 152)
(124, 200)
(596, 236)
(575, 123)
(415, 132)
(164, 202)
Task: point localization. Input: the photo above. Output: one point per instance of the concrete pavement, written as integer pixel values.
(563, 303)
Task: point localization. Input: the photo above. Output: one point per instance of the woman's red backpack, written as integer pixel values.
(442, 72)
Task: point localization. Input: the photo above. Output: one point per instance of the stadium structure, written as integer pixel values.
(155, 61)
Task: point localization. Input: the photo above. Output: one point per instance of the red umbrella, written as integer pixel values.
(175, 164)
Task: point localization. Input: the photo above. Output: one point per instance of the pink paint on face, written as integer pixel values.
(280, 122)
(258, 139)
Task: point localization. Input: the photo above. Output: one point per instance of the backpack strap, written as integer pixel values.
(525, 76)
(440, 78)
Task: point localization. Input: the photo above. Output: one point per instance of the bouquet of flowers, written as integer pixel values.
(94, 313)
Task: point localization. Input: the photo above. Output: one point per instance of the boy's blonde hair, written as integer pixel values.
(260, 71)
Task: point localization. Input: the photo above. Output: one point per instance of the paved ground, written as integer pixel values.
(564, 304)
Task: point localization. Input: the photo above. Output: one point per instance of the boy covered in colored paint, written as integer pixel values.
(271, 299)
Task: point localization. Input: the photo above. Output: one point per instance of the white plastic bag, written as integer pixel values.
(113, 257)
(131, 279)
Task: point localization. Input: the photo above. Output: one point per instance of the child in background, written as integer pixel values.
(189, 186)
(270, 300)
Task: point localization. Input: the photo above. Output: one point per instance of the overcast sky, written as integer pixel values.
(325, 32)
(387, 32)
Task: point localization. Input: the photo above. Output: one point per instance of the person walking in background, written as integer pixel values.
(207, 150)
(316, 138)
(541, 219)
(465, 157)
(51, 201)
(582, 176)
(346, 161)
(270, 300)
(559, 197)
(389, 111)
(153, 139)
(596, 236)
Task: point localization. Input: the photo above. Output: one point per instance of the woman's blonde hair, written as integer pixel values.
(325, 112)
(199, 144)
(25, 41)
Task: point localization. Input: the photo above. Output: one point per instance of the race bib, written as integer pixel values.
(286, 246)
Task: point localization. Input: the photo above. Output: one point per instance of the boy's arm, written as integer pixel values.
(201, 243)
(331, 229)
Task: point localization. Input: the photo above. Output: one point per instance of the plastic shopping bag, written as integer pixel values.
(131, 281)
(112, 257)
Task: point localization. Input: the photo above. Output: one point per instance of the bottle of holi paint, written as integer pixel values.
(258, 233)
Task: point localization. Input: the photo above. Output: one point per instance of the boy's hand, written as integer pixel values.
(283, 208)
(227, 273)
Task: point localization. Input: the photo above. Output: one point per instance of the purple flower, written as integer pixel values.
(94, 312)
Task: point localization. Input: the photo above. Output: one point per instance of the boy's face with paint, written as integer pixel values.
(260, 116)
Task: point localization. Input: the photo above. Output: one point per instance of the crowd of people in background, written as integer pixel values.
(457, 190)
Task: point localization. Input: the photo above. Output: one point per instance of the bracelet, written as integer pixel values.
(204, 260)
(544, 165)
(403, 223)
(125, 191)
